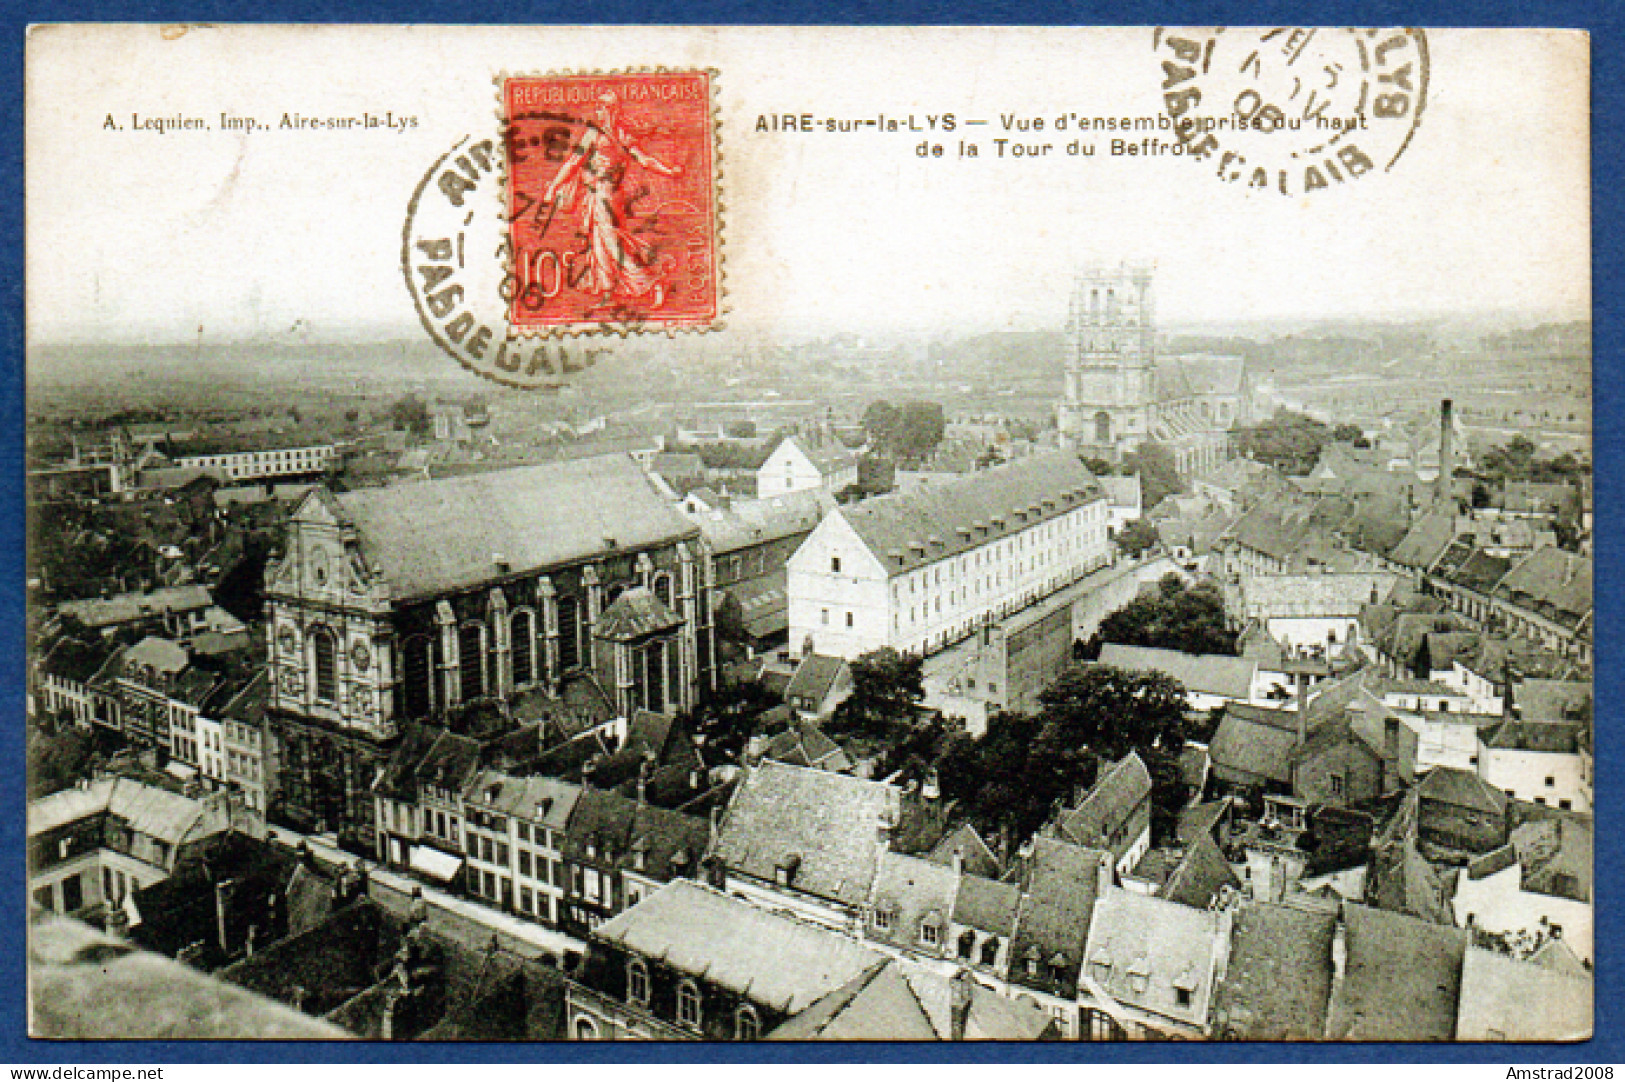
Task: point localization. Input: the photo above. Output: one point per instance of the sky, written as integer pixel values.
(146, 236)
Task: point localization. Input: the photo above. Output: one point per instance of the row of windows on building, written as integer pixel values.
(985, 953)
(476, 657)
(690, 1015)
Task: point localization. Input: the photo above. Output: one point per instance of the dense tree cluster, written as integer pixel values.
(908, 434)
(886, 691)
(1136, 537)
(410, 415)
(876, 477)
(1290, 442)
(1012, 778)
(1159, 476)
(1518, 460)
(1176, 616)
(728, 717)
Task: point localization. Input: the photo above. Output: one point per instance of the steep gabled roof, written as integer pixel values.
(906, 530)
(978, 857)
(815, 677)
(1257, 741)
(1402, 979)
(1111, 801)
(767, 958)
(435, 537)
(1152, 953)
(1427, 540)
(1201, 876)
(1504, 999)
(1278, 981)
(1060, 883)
(827, 826)
(1448, 785)
(1210, 674)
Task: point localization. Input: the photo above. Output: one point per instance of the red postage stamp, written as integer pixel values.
(612, 202)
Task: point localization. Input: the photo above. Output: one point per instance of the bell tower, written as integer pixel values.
(1110, 365)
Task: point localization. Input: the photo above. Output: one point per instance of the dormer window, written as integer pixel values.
(637, 982)
(1185, 988)
(881, 917)
(688, 1005)
(929, 934)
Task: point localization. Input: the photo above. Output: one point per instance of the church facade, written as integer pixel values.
(1119, 393)
(565, 594)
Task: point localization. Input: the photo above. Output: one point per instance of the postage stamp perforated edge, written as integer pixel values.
(718, 217)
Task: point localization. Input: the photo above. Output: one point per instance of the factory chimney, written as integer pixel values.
(1445, 492)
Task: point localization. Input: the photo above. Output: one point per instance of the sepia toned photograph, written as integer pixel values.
(745, 534)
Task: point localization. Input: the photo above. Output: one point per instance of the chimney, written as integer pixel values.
(1103, 876)
(959, 860)
(1301, 680)
(1340, 958)
(959, 999)
(386, 1025)
(1445, 495)
(221, 890)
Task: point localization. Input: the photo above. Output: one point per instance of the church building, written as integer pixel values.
(483, 604)
(1120, 393)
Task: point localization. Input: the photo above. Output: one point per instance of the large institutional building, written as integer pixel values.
(482, 603)
(920, 570)
(1120, 393)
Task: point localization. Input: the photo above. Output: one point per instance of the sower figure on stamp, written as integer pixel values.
(619, 263)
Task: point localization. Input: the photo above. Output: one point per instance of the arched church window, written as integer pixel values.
(569, 633)
(325, 652)
(522, 636)
(471, 659)
(419, 676)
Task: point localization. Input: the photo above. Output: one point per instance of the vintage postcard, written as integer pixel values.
(747, 534)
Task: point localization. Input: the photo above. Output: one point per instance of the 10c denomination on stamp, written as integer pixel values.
(612, 202)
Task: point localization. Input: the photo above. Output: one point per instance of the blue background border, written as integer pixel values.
(1605, 21)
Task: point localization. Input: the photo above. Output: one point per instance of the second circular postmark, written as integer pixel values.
(1294, 110)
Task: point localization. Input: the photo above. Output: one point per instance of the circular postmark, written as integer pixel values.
(1294, 110)
(454, 254)
(595, 212)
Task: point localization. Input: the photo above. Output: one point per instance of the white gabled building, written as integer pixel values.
(792, 467)
(918, 571)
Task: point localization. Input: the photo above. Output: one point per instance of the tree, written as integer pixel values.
(1347, 433)
(1111, 711)
(1159, 475)
(730, 620)
(919, 431)
(727, 718)
(909, 433)
(1175, 617)
(1136, 537)
(410, 415)
(880, 422)
(1290, 442)
(886, 688)
(1012, 778)
(991, 777)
